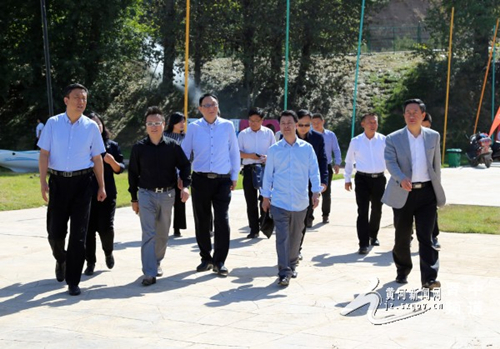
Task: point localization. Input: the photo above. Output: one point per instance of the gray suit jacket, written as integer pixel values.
(398, 161)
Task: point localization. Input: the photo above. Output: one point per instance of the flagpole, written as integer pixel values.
(357, 67)
(448, 85)
(186, 64)
(286, 51)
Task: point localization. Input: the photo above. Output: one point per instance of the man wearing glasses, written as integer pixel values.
(306, 133)
(152, 176)
(212, 143)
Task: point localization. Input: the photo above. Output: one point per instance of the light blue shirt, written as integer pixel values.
(289, 168)
(214, 147)
(71, 146)
(332, 147)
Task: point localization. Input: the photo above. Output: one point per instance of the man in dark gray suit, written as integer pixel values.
(413, 159)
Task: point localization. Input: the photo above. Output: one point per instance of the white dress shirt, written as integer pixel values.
(419, 170)
(214, 147)
(255, 142)
(367, 154)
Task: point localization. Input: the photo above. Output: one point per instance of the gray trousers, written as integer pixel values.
(155, 211)
(289, 225)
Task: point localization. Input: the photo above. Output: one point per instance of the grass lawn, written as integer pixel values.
(21, 191)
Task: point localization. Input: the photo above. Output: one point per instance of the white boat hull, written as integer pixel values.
(20, 161)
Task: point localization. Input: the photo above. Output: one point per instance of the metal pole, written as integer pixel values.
(485, 77)
(186, 64)
(48, 76)
(357, 68)
(448, 84)
(493, 68)
(286, 51)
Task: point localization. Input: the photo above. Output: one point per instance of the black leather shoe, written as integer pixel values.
(148, 281)
(284, 281)
(221, 269)
(74, 290)
(363, 250)
(401, 280)
(205, 266)
(177, 233)
(326, 220)
(431, 284)
(253, 235)
(294, 274)
(374, 242)
(159, 272)
(110, 261)
(60, 271)
(309, 223)
(90, 269)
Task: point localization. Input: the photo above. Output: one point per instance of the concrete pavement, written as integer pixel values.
(247, 309)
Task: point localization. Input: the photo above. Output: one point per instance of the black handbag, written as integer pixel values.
(267, 224)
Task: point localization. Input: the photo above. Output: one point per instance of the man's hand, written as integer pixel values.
(348, 186)
(45, 190)
(406, 184)
(263, 158)
(109, 159)
(184, 194)
(315, 199)
(336, 169)
(233, 185)
(135, 207)
(324, 187)
(266, 204)
(101, 194)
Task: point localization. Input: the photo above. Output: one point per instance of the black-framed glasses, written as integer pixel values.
(304, 125)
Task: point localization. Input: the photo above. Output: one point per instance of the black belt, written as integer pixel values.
(253, 165)
(372, 175)
(212, 175)
(159, 190)
(70, 173)
(420, 185)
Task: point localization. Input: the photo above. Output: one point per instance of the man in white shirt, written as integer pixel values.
(38, 132)
(254, 142)
(413, 158)
(367, 152)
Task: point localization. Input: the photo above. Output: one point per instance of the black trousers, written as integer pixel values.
(207, 193)
(253, 200)
(421, 205)
(327, 194)
(102, 217)
(368, 191)
(69, 199)
(309, 213)
(179, 211)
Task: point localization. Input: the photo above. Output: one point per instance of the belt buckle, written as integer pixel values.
(417, 186)
(211, 175)
(158, 190)
(67, 174)
(374, 175)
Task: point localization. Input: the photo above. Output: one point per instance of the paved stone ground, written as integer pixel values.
(247, 309)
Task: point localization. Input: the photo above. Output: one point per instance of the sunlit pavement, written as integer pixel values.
(248, 309)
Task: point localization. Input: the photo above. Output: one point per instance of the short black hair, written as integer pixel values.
(415, 101)
(256, 111)
(367, 115)
(289, 113)
(205, 95)
(302, 113)
(153, 111)
(318, 116)
(174, 118)
(428, 117)
(69, 88)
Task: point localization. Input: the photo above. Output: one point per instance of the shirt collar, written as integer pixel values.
(68, 120)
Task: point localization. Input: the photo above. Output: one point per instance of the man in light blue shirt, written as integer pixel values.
(212, 144)
(331, 147)
(291, 164)
(70, 150)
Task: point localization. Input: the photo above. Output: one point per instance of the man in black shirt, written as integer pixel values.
(152, 176)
